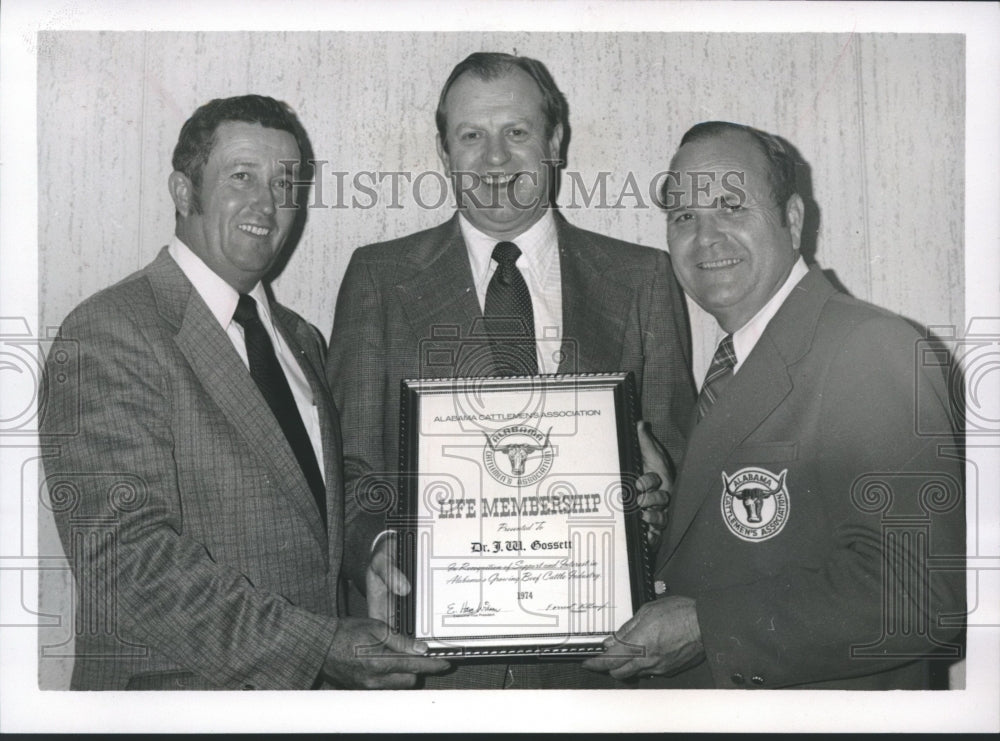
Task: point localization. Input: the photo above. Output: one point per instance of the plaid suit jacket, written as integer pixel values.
(198, 552)
(403, 300)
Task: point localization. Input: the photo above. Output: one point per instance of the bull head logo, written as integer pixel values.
(518, 453)
(753, 498)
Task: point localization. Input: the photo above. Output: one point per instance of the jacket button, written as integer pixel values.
(757, 679)
(659, 587)
(737, 678)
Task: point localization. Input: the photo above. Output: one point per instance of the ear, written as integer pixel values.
(443, 156)
(182, 192)
(555, 142)
(794, 214)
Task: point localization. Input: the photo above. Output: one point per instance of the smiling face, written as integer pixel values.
(496, 145)
(732, 247)
(239, 229)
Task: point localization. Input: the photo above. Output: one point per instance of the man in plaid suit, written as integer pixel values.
(202, 515)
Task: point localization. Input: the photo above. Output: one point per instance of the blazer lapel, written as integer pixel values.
(749, 398)
(595, 306)
(439, 298)
(218, 367)
(761, 384)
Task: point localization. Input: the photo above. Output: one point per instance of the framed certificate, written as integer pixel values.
(519, 528)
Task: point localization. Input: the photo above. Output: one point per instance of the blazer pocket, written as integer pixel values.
(767, 452)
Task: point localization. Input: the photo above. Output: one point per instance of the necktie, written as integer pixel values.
(509, 319)
(270, 379)
(719, 373)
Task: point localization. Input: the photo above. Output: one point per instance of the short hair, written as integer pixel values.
(493, 65)
(780, 162)
(197, 137)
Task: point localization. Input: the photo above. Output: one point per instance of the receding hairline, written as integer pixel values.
(512, 70)
(495, 65)
(733, 133)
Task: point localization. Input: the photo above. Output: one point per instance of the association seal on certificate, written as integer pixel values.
(520, 531)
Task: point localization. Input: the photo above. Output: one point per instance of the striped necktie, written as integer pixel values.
(719, 373)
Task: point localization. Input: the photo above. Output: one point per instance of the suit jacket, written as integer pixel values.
(406, 304)
(198, 551)
(862, 571)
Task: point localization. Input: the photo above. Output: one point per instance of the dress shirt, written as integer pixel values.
(221, 299)
(745, 338)
(539, 264)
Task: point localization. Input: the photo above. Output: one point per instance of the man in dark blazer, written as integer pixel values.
(598, 304)
(815, 536)
(204, 530)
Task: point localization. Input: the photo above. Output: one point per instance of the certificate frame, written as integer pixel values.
(512, 487)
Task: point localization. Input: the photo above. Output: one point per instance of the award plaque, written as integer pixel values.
(520, 533)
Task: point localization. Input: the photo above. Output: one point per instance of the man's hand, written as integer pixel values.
(365, 655)
(655, 483)
(663, 637)
(383, 580)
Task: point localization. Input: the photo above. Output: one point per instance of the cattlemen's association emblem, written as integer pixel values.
(518, 455)
(755, 503)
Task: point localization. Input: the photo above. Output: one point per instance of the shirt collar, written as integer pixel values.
(220, 297)
(538, 245)
(746, 337)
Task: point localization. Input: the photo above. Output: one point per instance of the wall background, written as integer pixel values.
(878, 118)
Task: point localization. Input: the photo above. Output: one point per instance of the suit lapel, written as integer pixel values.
(595, 306)
(299, 335)
(750, 397)
(760, 386)
(218, 367)
(439, 298)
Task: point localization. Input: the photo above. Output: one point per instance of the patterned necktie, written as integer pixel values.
(719, 373)
(270, 379)
(509, 319)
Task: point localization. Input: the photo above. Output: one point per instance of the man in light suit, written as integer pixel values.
(596, 303)
(816, 535)
(195, 468)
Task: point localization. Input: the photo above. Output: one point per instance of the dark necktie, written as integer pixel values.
(509, 319)
(270, 379)
(719, 373)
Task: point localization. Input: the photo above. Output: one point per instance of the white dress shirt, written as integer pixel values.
(221, 299)
(539, 264)
(746, 337)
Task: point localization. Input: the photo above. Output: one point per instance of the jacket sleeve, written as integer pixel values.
(112, 445)
(357, 374)
(891, 589)
(668, 392)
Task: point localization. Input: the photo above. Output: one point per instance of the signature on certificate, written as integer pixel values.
(466, 610)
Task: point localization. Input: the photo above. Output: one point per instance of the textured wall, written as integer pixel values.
(879, 118)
